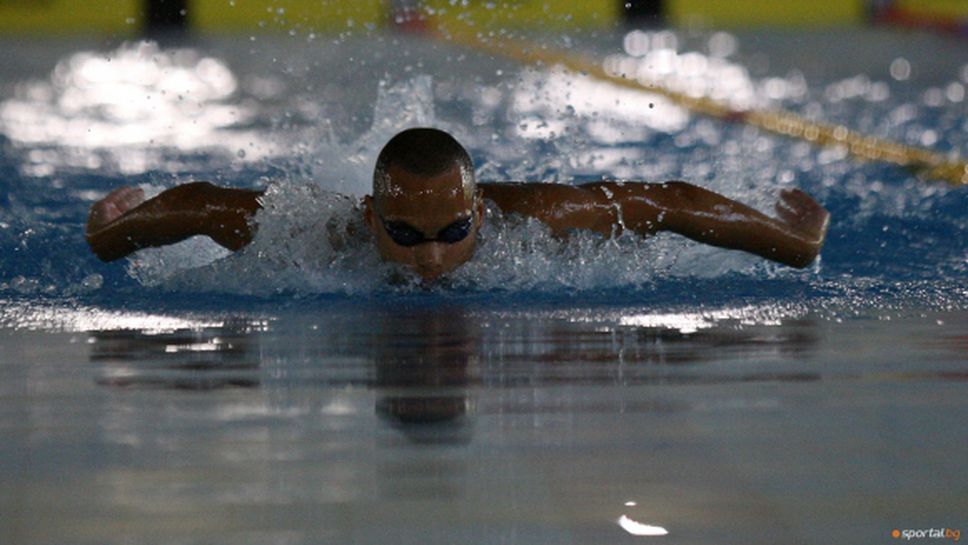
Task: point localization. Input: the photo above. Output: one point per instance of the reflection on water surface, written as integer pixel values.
(444, 423)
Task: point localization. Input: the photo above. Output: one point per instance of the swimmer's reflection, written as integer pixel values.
(420, 364)
(424, 365)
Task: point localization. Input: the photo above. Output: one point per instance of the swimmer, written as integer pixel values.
(426, 210)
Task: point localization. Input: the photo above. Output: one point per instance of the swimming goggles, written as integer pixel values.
(406, 235)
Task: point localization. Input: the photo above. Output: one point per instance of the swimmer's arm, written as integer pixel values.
(123, 222)
(793, 239)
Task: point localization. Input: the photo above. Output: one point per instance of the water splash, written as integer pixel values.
(311, 238)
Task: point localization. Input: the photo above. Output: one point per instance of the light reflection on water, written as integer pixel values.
(424, 423)
(29, 315)
(131, 102)
(548, 101)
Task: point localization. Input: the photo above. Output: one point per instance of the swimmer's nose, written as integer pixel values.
(431, 253)
(430, 259)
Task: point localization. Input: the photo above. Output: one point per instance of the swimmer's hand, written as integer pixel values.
(107, 210)
(804, 216)
(113, 206)
(124, 222)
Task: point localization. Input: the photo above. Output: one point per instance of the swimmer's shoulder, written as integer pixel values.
(535, 198)
(509, 197)
(504, 191)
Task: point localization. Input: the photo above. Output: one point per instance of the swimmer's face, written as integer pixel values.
(420, 221)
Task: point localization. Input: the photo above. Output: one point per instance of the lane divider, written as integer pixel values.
(923, 162)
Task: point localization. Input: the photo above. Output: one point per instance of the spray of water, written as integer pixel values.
(311, 238)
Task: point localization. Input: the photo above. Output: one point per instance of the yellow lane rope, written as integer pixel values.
(926, 163)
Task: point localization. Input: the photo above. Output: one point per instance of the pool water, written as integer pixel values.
(583, 392)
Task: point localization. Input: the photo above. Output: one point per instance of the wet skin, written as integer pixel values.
(124, 222)
(428, 204)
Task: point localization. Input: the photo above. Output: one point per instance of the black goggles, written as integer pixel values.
(405, 234)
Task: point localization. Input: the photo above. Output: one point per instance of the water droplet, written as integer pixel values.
(92, 282)
(900, 69)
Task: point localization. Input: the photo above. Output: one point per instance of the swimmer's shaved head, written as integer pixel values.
(424, 152)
